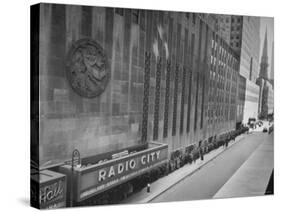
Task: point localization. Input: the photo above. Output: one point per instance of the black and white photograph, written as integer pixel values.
(132, 105)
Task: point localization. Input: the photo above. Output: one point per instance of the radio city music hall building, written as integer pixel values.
(128, 89)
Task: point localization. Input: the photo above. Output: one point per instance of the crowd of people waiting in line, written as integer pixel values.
(178, 159)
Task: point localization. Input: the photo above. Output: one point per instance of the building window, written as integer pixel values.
(237, 44)
(237, 37)
(238, 28)
(190, 84)
(194, 18)
(187, 15)
(174, 128)
(203, 102)
(182, 99)
(227, 20)
(119, 11)
(135, 16)
(167, 97)
(196, 101)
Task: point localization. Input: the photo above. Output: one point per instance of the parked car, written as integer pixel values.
(264, 130)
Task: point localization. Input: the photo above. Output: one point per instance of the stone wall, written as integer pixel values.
(159, 67)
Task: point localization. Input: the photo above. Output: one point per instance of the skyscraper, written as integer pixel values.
(266, 89)
(272, 62)
(223, 26)
(264, 60)
(242, 33)
(271, 78)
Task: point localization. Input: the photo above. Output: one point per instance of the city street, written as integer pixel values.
(138, 106)
(206, 182)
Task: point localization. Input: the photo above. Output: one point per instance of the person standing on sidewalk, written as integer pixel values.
(227, 140)
(201, 152)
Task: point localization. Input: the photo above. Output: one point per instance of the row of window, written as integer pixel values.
(237, 28)
(238, 20)
(221, 113)
(235, 44)
(135, 15)
(233, 37)
(223, 55)
(187, 15)
(223, 78)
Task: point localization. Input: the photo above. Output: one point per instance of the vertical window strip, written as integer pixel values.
(205, 72)
(157, 100)
(198, 76)
(174, 129)
(182, 99)
(167, 96)
(190, 83)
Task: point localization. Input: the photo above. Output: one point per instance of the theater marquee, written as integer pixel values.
(100, 177)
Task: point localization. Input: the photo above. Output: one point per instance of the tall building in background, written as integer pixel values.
(242, 34)
(264, 60)
(250, 48)
(271, 78)
(236, 34)
(266, 89)
(223, 27)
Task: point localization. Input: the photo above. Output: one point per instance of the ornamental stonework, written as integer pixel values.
(87, 68)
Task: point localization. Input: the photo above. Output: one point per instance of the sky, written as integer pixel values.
(267, 22)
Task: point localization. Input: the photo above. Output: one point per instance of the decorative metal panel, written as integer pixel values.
(146, 96)
(167, 97)
(157, 100)
(174, 129)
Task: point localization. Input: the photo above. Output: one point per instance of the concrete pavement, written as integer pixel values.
(167, 183)
(252, 178)
(207, 181)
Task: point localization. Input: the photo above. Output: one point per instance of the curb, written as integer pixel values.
(149, 199)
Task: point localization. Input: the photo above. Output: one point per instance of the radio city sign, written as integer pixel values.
(100, 177)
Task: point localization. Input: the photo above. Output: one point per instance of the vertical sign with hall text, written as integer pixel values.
(49, 189)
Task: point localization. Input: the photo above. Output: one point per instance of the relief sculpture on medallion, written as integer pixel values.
(87, 69)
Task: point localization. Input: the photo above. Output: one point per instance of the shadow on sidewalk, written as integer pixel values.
(270, 186)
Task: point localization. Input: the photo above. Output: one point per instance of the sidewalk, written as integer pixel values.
(164, 183)
(252, 178)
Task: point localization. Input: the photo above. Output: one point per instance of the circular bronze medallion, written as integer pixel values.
(87, 69)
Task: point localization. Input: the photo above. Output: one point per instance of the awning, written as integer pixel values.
(91, 180)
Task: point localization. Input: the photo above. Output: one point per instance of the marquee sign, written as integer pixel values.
(100, 177)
